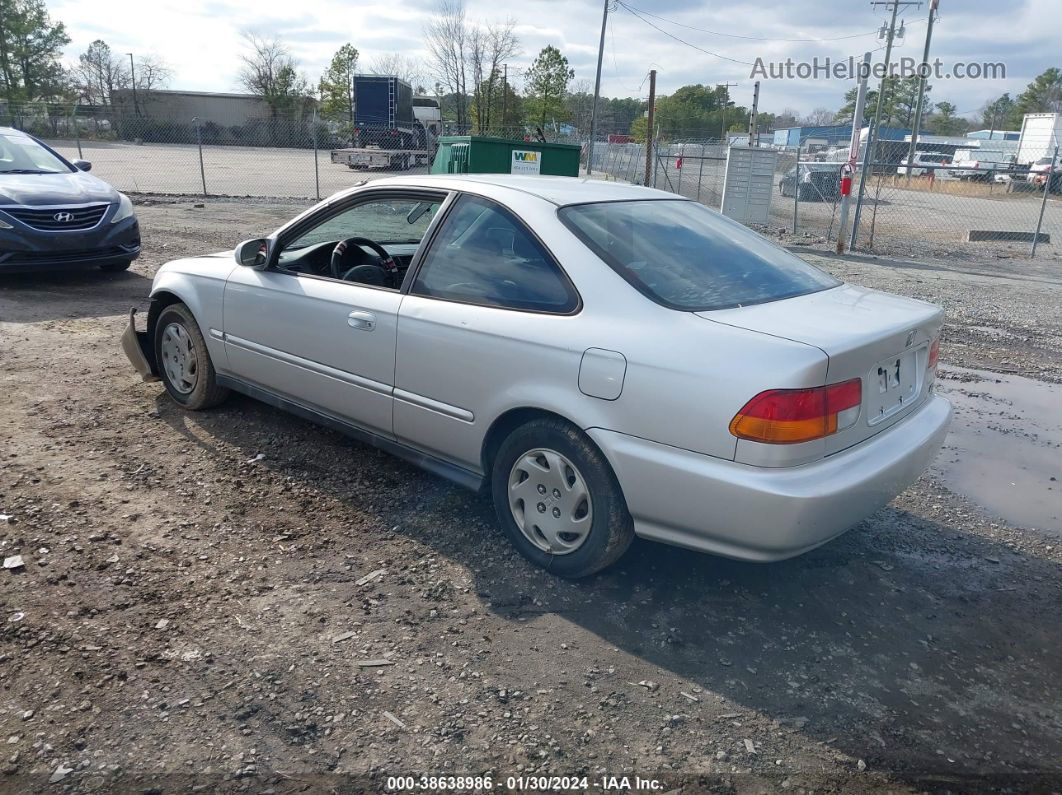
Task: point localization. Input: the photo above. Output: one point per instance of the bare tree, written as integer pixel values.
(99, 72)
(819, 117)
(270, 72)
(446, 34)
(403, 67)
(490, 46)
(152, 73)
(461, 53)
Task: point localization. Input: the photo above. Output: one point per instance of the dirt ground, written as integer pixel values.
(206, 598)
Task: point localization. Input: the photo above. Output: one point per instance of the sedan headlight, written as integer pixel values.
(5, 225)
(125, 209)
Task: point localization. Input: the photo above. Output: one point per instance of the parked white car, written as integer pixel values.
(1039, 171)
(608, 360)
(926, 163)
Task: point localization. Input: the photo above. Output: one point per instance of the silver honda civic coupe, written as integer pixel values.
(606, 360)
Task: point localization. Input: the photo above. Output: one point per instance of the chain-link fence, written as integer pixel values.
(971, 207)
(272, 156)
(985, 203)
(986, 200)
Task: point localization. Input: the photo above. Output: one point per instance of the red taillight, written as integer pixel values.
(934, 354)
(789, 416)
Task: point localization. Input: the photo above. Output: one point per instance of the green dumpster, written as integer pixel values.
(481, 154)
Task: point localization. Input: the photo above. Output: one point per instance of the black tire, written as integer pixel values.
(116, 267)
(206, 393)
(611, 528)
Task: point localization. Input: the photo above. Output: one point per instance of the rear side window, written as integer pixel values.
(483, 255)
(684, 256)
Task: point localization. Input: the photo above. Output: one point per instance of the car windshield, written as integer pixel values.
(684, 256)
(22, 155)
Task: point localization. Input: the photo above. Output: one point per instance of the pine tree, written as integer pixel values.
(337, 85)
(547, 85)
(30, 48)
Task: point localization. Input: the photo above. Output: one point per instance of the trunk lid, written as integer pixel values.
(879, 338)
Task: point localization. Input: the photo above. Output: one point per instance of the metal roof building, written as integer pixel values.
(828, 135)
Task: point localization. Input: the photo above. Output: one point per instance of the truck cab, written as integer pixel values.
(426, 110)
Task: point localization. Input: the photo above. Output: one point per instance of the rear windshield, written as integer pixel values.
(687, 257)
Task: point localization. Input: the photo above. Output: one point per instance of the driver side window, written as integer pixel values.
(395, 224)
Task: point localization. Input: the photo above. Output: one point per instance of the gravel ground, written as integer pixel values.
(907, 223)
(238, 600)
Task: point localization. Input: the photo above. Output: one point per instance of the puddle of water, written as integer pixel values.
(1005, 445)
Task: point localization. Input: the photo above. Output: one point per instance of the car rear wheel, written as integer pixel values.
(558, 500)
(184, 362)
(115, 267)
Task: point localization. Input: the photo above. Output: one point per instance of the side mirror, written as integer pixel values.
(252, 253)
(82, 165)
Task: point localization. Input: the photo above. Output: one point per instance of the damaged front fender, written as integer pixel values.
(139, 350)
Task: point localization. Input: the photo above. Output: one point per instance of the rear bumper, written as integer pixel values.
(137, 348)
(765, 514)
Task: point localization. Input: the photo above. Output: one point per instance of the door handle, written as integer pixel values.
(361, 320)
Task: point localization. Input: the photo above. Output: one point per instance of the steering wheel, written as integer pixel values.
(350, 248)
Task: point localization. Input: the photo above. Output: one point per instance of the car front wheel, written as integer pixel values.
(558, 500)
(184, 362)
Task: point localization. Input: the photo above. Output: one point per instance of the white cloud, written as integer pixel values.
(201, 39)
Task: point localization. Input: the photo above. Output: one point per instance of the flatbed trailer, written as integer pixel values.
(373, 157)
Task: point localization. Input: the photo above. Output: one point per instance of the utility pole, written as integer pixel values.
(922, 87)
(505, 96)
(755, 107)
(1043, 204)
(726, 101)
(853, 154)
(597, 92)
(132, 72)
(649, 127)
(873, 131)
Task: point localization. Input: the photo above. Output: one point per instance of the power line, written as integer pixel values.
(630, 10)
(739, 36)
(634, 13)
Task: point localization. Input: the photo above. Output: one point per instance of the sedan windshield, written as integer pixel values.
(22, 155)
(687, 257)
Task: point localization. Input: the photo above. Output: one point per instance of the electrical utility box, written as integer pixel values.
(748, 184)
(481, 154)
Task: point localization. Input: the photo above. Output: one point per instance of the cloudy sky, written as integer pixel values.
(200, 39)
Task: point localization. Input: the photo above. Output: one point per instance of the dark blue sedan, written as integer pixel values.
(55, 215)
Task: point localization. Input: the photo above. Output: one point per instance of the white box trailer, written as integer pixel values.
(1040, 134)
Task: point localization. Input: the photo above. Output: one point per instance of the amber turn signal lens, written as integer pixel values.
(790, 416)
